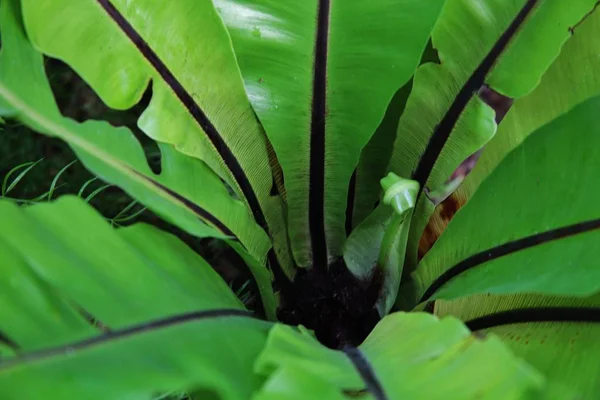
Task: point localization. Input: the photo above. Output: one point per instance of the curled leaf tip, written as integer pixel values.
(400, 193)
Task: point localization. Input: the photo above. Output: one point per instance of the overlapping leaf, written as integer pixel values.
(482, 46)
(530, 226)
(186, 193)
(445, 121)
(571, 79)
(198, 100)
(412, 356)
(320, 74)
(132, 313)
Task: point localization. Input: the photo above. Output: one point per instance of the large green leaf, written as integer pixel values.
(556, 335)
(198, 100)
(412, 356)
(186, 192)
(91, 312)
(292, 383)
(530, 227)
(365, 188)
(571, 79)
(320, 75)
(483, 46)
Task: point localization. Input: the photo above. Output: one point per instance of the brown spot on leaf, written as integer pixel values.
(442, 215)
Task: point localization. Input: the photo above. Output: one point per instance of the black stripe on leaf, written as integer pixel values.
(585, 17)
(72, 348)
(193, 108)
(474, 83)
(196, 209)
(509, 248)
(528, 315)
(366, 372)
(316, 211)
(4, 339)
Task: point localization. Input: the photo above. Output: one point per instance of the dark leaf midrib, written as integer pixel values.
(316, 202)
(443, 130)
(536, 314)
(211, 131)
(507, 249)
(7, 341)
(193, 207)
(119, 334)
(193, 108)
(366, 372)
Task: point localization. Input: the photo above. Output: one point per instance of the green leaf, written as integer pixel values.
(28, 166)
(529, 227)
(413, 356)
(119, 310)
(96, 192)
(291, 383)
(571, 79)
(373, 163)
(185, 193)
(320, 75)
(53, 186)
(482, 46)
(289, 347)
(198, 101)
(556, 335)
(85, 186)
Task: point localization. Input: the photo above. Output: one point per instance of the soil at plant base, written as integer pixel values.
(337, 306)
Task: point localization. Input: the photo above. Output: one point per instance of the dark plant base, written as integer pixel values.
(333, 303)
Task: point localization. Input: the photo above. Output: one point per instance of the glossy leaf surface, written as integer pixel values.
(198, 101)
(320, 75)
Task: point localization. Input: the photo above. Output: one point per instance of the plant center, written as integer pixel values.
(337, 306)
